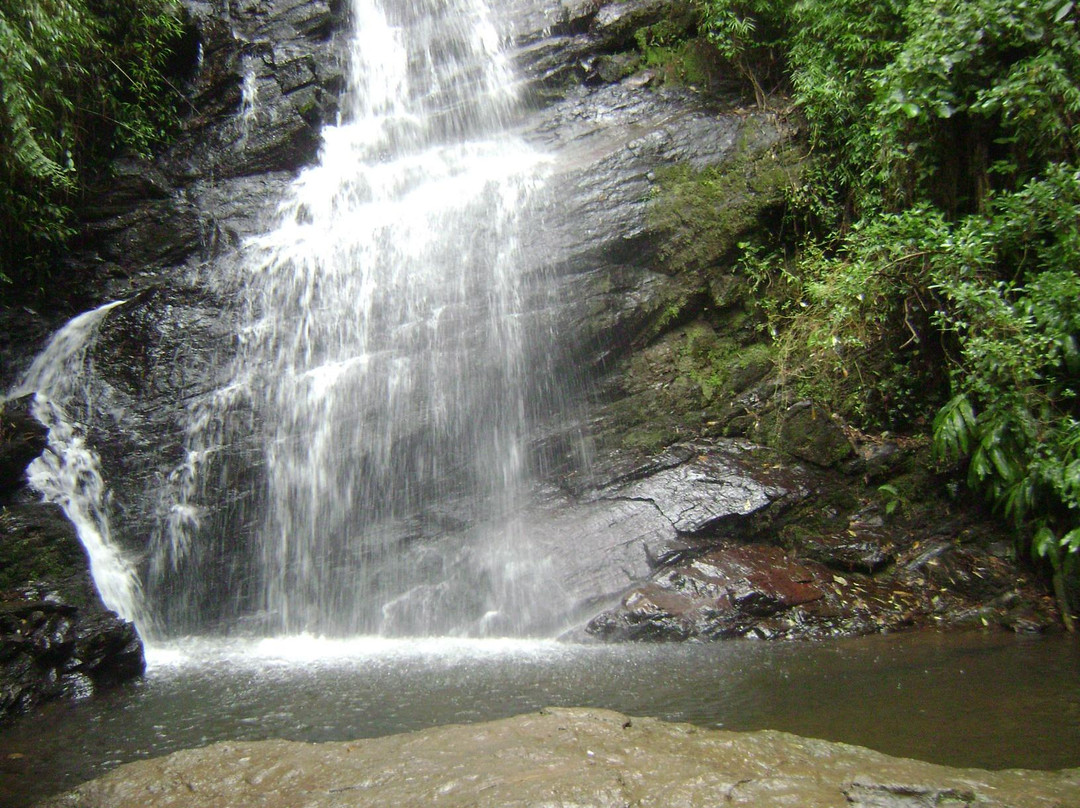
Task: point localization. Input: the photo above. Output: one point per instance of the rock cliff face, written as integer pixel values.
(145, 230)
(681, 525)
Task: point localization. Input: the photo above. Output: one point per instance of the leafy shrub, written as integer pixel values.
(749, 35)
(932, 253)
(79, 81)
(1014, 415)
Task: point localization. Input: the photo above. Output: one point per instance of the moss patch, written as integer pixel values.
(38, 544)
(703, 214)
(676, 388)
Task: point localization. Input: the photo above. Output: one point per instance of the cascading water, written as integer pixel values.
(385, 376)
(68, 472)
(359, 459)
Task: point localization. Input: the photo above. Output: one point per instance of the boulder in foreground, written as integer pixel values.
(559, 757)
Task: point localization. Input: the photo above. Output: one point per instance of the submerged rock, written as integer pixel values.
(562, 757)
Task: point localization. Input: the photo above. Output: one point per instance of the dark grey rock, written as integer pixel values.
(716, 486)
(630, 516)
(862, 552)
(57, 640)
(22, 439)
(50, 649)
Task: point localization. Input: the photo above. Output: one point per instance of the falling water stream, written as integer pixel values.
(385, 348)
(391, 358)
(68, 472)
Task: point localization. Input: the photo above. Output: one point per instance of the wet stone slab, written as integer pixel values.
(566, 757)
(712, 486)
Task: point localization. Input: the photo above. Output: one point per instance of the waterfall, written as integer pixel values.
(69, 471)
(381, 389)
(358, 459)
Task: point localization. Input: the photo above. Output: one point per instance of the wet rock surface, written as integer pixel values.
(22, 439)
(629, 516)
(260, 79)
(52, 649)
(57, 640)
(563, 757)
(724, 539)
(729, 592)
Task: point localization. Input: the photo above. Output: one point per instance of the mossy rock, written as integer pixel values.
(809, 433)
(681, 386)
(704, 214)
(38, 544)
(611, 68)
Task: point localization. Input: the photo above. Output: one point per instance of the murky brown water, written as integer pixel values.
(987, 700)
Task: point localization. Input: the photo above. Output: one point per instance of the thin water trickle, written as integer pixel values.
(249, 98)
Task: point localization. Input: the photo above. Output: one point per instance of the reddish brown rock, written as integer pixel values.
(722, 593)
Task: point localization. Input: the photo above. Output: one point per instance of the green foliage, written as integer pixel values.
(749, 35)
(851, 318)
(1014, 414)
(837, 51)
(931, 253)
(978, 97)
(890, 495)
(79, 81)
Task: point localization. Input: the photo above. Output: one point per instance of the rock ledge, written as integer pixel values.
(579, 757)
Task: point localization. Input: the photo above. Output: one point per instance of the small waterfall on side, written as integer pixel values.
(68, 472)
(386, 375)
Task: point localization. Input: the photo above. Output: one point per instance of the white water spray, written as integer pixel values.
(385, 354)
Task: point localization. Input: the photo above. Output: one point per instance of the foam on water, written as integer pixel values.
(306, 650)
